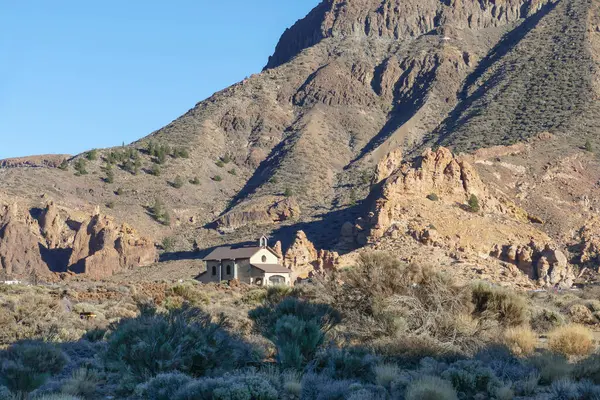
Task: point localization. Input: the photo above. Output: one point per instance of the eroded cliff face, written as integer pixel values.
(394, 19)
(429, 199)
(57, 244)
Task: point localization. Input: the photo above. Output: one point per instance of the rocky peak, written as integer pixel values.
(394, 19)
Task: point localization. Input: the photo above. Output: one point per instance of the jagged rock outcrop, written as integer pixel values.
(102, 248)
(301, 253)
(268, 210)
(52, 226)
(20, 254)
(43, 161)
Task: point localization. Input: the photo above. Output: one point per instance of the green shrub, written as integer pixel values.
(346, 363)
(471, 378)
(178, 182)
(474, 204)
(155, 170)
(433, 197)
(500, 304)
(195, 181)
(288, 192)
(83, 382)
(220, 164)
(25, 366)
(551, 367)
(64, 165)
(588, 146)
(217, 178)
(168, 244)
(273, 180)
(184, 340)
(588, 368)
(92, 155)
(162, 386)
(430, 388)
(110, 175)
(232, 172)
(226, 159)
(158, 211)
(242, 386)
(297, 341)
(120, 191)
(80, 167)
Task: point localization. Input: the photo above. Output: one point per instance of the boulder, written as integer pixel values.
(553, 269)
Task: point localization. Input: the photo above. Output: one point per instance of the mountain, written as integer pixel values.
(355, 84)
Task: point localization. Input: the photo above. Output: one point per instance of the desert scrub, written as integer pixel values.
(571, 340)
(430, 388)
(474, 204)
(25, 366)
(520, 340)
(184, 340)
(501, 304)
(433, 197)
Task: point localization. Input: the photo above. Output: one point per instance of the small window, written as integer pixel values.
(229, 270)
(214, 271)
(264, 259)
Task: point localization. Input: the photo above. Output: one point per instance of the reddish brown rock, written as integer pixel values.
(264, 211)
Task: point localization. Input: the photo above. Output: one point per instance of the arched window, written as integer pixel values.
(229, 270)
(277, 280)
(264, 259)
(214, 271)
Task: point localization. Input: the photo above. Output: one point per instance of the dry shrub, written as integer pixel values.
(382, 297)
(520, 340)
(430, 388)
(580, 314)
(501, 304)
(414, 348)
(571, 340)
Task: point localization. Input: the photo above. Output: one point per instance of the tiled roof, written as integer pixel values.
(230, 253)
(272, 268)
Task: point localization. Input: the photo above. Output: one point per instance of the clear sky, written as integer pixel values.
(80, 74)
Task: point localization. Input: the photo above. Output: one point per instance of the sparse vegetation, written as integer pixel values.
(178, 182)
(474, 204)
(110, 175)
(155, 170)
(217, 178)
(588, 146)
(433, 197)
(288, 192)
(232, 172)
(80, 167)
(220, 164)
(158, 211)
(92, 155)
(64, 165)
(195, 181)
(168, 244)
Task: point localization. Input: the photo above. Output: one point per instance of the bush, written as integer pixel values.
(430, 388)
(500, 304)
(217, 178)
(168, 244)
(474, 204)
(433, 197)
(551, 367)
(287, 192)
(241, 386)
(120, 191)
(155, 170)
(571, 340)
(232, 172)
(520, 340)
(220, 164)
(80, 166)
(110, 175)
(25, 366)
(297, 341)
(347, 363)
(588, 146)
(83, 383)
(159, 213)
(178, 182)
(92, 155)
(184, 340)
(162, 386)
(472, 377)
(195, 181)
(588, 368)
(64, 165)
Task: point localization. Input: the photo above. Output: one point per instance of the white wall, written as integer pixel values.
(257, 258)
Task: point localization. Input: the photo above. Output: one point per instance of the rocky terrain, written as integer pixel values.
(328, 150)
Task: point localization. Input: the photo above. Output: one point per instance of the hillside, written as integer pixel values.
(300, 146)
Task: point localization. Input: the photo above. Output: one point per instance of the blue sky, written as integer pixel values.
(80, 74)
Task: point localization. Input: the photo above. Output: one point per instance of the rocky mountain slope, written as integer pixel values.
(352, 89)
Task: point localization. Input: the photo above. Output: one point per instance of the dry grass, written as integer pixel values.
(520, 340)
(571, 340)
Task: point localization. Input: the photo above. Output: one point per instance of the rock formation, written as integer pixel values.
(41, 247)
(266, 211)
